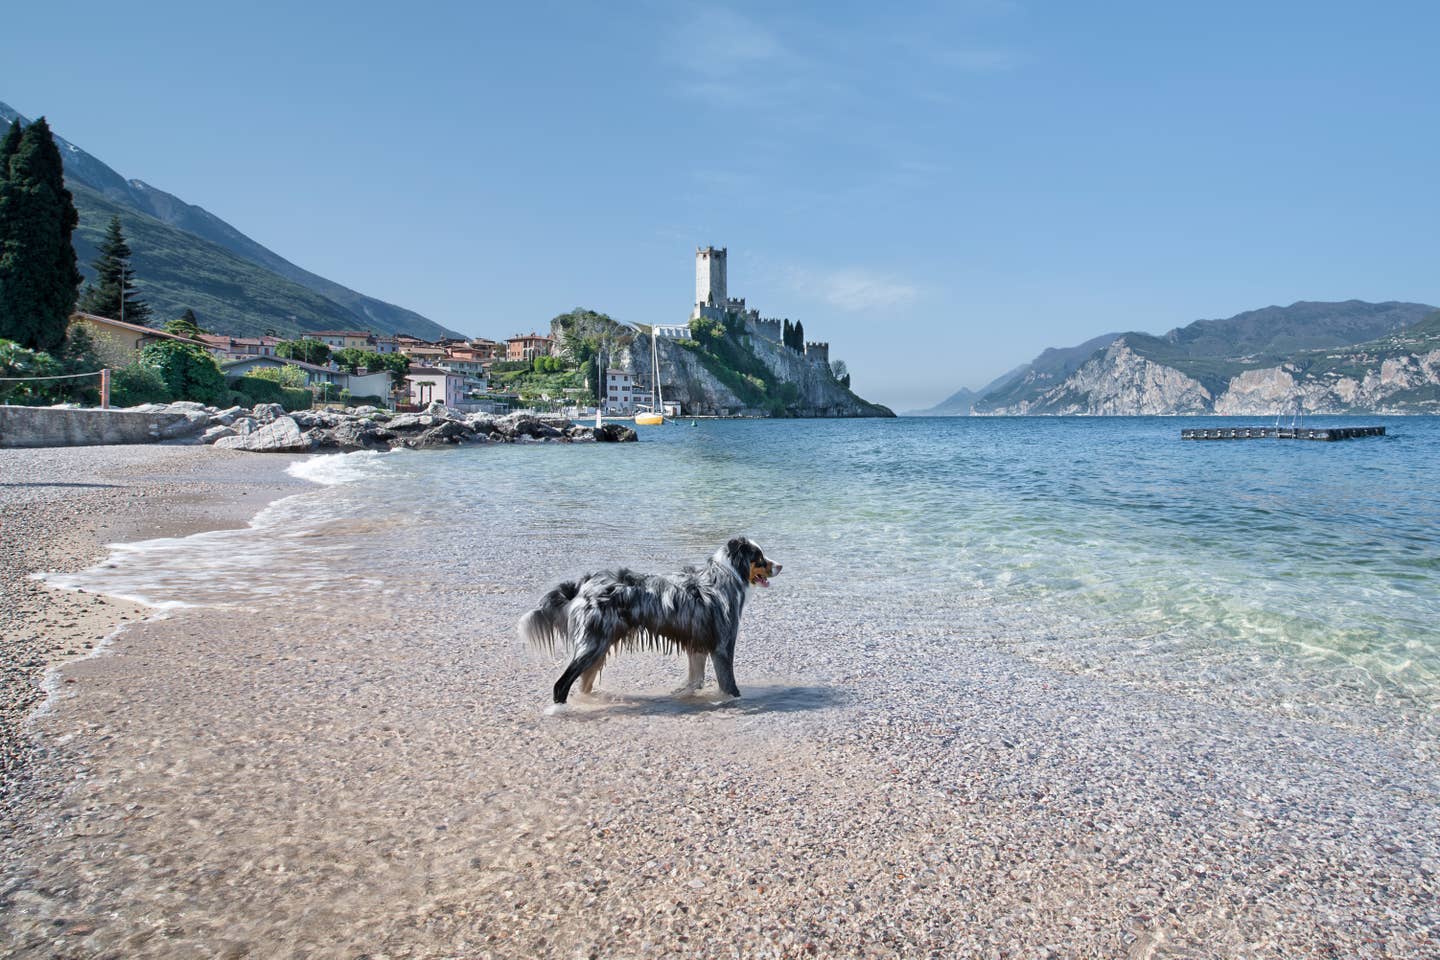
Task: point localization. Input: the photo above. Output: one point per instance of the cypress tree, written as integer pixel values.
(8, 146)
(799, 336)
(112, 293)
(38, 276)
(186, 326)
(788, 336)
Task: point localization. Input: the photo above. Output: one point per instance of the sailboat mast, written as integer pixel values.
(657, 395)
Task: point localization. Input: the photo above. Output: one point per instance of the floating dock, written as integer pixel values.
(1280, 433)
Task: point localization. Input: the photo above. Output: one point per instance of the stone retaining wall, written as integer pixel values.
(64, 427)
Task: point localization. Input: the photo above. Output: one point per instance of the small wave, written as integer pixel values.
(335, 468)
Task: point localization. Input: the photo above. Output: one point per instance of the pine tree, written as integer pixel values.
(38, 276)
(112, 294)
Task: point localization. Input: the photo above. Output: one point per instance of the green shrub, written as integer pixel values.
(188, 369)
(286, 376)
(255, 390)
(137, 383)
(17, 361)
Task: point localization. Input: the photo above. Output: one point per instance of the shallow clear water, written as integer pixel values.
(1086, 542)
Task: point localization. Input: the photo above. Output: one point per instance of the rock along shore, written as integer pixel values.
(267, 428)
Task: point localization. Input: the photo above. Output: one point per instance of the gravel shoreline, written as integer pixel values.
(351, 775)
(59, 507)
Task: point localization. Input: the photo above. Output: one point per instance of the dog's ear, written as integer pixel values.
(736, 547)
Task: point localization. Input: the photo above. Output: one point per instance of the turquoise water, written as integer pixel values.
(1327, 553)
(1093, 544)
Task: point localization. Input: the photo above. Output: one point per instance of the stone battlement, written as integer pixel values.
(768, 327)
(819, 352)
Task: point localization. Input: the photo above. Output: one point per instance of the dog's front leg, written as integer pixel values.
(695, 679)
(724, 660)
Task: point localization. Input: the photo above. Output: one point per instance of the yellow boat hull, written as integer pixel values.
(649, 419)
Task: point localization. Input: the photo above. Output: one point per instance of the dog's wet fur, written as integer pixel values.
(696, 610)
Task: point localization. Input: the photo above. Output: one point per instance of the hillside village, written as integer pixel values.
(554, 371)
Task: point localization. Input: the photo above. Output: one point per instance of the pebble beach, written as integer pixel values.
(364, 769)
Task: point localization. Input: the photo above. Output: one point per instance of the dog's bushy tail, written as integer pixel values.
(548, 625)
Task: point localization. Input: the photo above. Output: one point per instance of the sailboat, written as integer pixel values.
(656, 414)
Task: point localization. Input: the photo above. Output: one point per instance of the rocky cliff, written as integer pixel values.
(1116, 382)
(1247, 365)
(1397, 374)
(770, 381)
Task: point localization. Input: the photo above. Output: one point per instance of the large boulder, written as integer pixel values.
(615, 433)
(518, 425)
(282, 435)
(228, 415)
(181, 424)
(482, 423)
(217, 433)
(411, 422)
(444, 433)
(266, 412)
(361, 435)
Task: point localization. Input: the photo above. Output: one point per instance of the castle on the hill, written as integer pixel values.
(713, 302)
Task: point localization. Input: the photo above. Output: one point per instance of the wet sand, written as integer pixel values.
(59, 508)
(354, 778)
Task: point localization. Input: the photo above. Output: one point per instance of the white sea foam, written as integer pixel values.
(335, 468)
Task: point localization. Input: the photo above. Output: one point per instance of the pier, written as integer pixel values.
(1280, 433)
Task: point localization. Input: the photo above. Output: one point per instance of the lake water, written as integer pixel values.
(1288, 575)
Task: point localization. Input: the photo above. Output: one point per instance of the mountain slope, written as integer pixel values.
(958, 404)
(1184, 372)
(259, 302)
(177, 270)
(1051, 367)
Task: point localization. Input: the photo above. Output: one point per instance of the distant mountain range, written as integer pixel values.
(1308, 357)
(185, 256)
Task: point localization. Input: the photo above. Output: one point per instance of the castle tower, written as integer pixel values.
(709, 278)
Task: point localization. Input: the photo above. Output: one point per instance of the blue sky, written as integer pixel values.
(940, 190)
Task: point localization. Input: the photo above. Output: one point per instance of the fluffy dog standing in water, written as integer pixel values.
(695, 610)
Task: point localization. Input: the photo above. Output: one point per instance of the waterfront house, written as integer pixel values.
(344, 339)
(423, 353)
(487, 349)
(314, 375)
(237, 348)
(116, 342)
(428, 384)
(619, 394)
(528, 347)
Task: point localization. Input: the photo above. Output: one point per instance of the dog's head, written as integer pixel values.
(749, 561)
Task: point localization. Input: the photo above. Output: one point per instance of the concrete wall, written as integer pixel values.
(52, 427)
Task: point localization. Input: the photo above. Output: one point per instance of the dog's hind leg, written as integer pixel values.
(695, 679)
(588, 678)
(588, 653)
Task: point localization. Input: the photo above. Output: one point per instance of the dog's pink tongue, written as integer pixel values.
(764, 582)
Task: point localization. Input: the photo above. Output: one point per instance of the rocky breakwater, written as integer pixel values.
(267, 428)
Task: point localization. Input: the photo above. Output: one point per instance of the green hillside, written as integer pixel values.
(176, 270)
(237, 285)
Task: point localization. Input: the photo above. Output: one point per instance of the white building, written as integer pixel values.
(428, 384)
(673, 331)
(619, 394)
